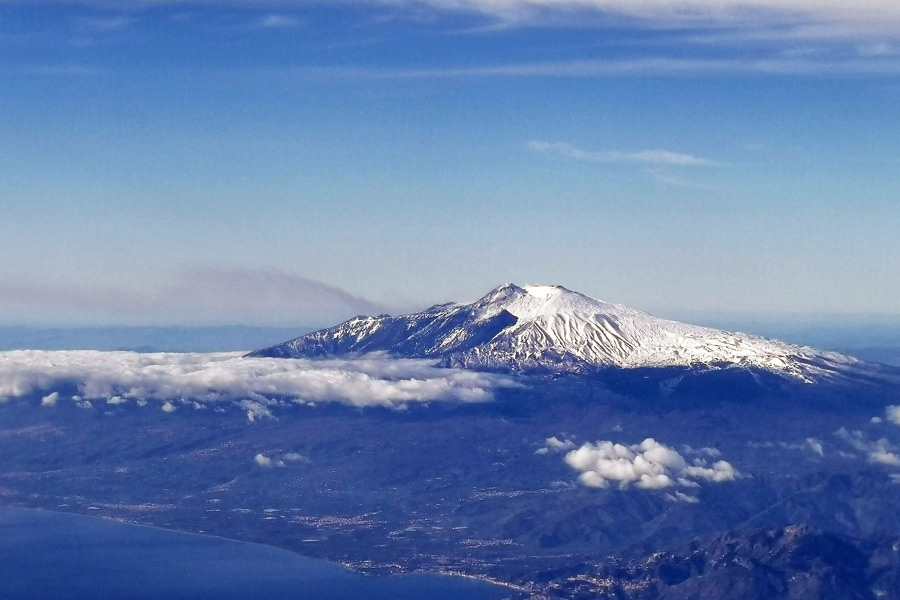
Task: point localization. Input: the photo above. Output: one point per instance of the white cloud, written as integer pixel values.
(168, 407)
(892, 413)
(294, 457)
(884, 457)
(810, 445)
(50, 399)
(879, 451)
(682, 497)
(558, 445)
(648, 465)
(816, 446)
(253, 384)
(645, 157)
(263, 461)
(720, 471)
(705, 451)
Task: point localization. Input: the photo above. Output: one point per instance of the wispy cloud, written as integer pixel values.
(659, 162)
(279, 21)
(196, 295)
(104, 24)
(258, 386)
(642, 157)
(683, 12)
(661, 66)
(672, 13)
(664, 177)
(258, 292)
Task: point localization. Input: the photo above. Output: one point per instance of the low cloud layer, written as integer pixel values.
(172, 380)
(648, 465)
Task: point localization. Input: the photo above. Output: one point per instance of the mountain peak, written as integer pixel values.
(531, 301)
(551, 328)
(546, 291)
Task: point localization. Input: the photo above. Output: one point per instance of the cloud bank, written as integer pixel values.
(255, 385)
(648, 465)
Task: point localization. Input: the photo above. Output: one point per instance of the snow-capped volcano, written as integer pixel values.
(550, 328)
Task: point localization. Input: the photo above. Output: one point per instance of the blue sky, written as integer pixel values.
(300, 162)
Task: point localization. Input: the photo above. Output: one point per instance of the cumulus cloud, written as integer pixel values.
(294, 457)
(267, 462)
(648, 465)
(554, 443)
(641, 157)
(253, 384)
(719, 471)
(679, 496)
(816, 446)
(892, 413)
(710, 452)
(879, 451)
(50, 399)
(884, 457)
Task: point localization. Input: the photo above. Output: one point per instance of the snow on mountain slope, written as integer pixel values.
(550, 328)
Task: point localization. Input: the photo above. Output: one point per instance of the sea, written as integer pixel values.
(55, 556)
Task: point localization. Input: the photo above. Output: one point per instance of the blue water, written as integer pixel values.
(51, 556)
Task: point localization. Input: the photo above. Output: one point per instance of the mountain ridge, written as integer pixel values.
(548, 328)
